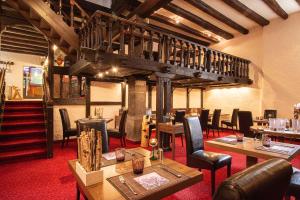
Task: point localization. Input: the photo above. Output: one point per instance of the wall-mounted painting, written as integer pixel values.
(32, 82)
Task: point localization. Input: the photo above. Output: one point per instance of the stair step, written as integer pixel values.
(15, 143)
(8, 116)
(20, 133)
(22, 123)
(24, 103)
(16, 155)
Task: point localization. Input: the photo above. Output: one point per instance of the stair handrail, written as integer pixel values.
(2, 93)
(48, 115)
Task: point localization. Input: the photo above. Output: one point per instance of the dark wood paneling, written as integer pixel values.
(148, 7)
(216, 14)
(237, 5)
(199, 21)
(273, 4)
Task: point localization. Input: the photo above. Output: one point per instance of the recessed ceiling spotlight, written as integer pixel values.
(114, 69)
(106, 72)
(54, 47)
(100, 75)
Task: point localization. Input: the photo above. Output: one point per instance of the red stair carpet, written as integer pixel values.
(22, 132)
(51, 178)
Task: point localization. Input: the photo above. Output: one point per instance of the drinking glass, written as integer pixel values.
(239, 137)
(138, 165)
(272, 124)
(120, 154)
(266, 140)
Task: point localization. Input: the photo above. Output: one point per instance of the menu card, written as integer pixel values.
(151, 180)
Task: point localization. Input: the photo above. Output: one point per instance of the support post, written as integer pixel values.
(201, 97)
(123, 93)
(187, 98)
(150, 96)
(167, 96)
(50, 67)
(88, 98)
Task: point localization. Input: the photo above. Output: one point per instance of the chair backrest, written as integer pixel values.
(65, 120)
(216, 118)
(179, 116)
(122, 123)
(270, 114)
(204, 119)
(234, 116)
(266, 180)
(245, 122)
(193, 134)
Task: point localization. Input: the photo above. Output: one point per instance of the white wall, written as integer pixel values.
(15, 75)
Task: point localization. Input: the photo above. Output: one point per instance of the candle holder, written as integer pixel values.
(153, 144)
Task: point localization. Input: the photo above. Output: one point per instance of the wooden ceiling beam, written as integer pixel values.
(146, 9)
(247, 12)
(201, 22)
(216, 14)
(179, 35)
(170, 22)
(273, 4)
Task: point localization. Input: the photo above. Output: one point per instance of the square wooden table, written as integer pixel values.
(171, 129)
(247, 147)
(106, 191)
(281, 134)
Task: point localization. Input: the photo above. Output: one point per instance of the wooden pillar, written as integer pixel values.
(123, 93)
(150, 96)
(187, 98)
(172, 93)
(50, 67)
(88, 98)
(201, 97)
(159, 99)
(167, 96)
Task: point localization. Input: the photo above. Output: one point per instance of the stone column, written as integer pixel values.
(136, 108)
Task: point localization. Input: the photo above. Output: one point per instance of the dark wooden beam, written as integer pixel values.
(179, 35)
(170, 22)
(247, 12)
(273, 4)
(298, 1)
(22, 43)
(123, 93)
(88, 98)
(199, 21)
(6, 36)
(149, 96)
(148, 7)
(216, 14)
(31, 52)
(202, 97)
(23, 47)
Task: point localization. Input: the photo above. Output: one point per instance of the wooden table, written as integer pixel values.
(106, 191)
(248, 148)
(173, 130)
(280, 134)
(261, 121)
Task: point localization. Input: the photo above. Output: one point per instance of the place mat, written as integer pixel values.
(279, 148)
(227, 140)
(162, 178)
(110, 159)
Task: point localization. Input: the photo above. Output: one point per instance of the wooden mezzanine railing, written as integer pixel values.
(48, 115)
(113, 34)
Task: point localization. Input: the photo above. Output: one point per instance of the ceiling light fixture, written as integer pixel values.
(114, 69)
(106, 72)
(100, 75)
(54, 47)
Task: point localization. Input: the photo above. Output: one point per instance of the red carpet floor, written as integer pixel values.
(51, 178)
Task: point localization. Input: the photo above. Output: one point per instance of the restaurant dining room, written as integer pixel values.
(150, 99)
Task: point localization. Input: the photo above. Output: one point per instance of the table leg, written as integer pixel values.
(251, 161)
(173, 146)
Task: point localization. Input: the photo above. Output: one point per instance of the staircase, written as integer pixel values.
(42, 15)
(23, 133)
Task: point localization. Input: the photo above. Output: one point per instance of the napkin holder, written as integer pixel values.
(89, 178)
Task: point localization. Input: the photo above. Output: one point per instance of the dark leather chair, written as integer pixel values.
(270, 114)
(266, 180)
(233, 122)
(204, 120)
(294, 187)
(215, 122)
(67, 130)
(245, 122)
(119, 133)
(197, 156)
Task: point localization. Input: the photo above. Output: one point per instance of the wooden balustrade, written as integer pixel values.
(100, 34)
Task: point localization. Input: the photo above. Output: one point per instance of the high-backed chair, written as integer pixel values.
(67, 130)
(245, 122)
(197, 156)
(266, 180)
(119, 133)
(215, 122)
(294, 186)
(233, 122)
(179, 117)
(270, 114)
(204, 120)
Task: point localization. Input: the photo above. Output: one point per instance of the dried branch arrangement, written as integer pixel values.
(90, 150)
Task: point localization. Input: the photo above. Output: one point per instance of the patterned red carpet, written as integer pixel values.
(51, 178)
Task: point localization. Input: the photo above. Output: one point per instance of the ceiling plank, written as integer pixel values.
(216, 14)
(201, 22)
(247, 12)
(22, 42)
(17, 38)
(170, 22)
(148, 7)
(273, 4)
(8, 49)
(18, 46)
